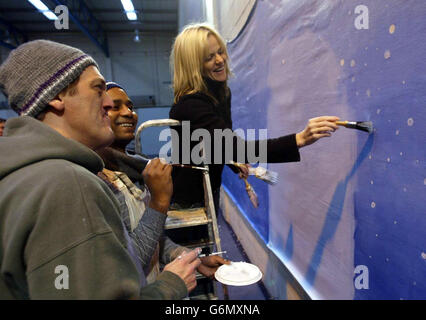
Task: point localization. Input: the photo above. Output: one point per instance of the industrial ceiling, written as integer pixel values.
(95, 18)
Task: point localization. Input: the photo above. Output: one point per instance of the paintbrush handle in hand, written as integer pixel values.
(342, 123)
(252, 194)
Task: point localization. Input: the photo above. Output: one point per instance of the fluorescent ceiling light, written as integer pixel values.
(129, 9)
(131, 16)
(43, 9)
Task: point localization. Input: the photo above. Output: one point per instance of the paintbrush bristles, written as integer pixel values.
(366, 126)
(263, 174)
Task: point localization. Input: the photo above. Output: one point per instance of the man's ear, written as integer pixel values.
(57, 103)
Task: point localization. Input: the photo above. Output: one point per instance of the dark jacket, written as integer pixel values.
(55, 211)
(203, 112)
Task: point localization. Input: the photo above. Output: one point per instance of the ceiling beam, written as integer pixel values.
(104, 22)
(14, 37)
(94, 11)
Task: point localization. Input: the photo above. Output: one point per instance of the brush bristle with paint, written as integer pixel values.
(264, 174)
(366, 126)
(261, 173)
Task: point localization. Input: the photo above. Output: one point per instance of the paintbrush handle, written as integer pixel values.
(188, 166)
(342, 123)
(211, 254)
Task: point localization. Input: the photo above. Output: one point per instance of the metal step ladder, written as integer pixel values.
(200, 221)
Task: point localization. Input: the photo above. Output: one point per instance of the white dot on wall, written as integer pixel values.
(282, 61)
(414, 283)
(368, 93)
(370, 257)
(353, 63)
(424, 255)
(400, 153)
(387, 259)
(378, 111)
(397, 132)
(410, 122)
(342, 62)
(371, 182)
(404, 189)
(392, 29)
(395, 222)
(387, 54)
(388, 159)
(403, 81)
(377, 235)
(365, 64)
(373, 204)
(369, 156)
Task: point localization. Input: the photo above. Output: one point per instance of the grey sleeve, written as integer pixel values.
(147, 234)
(169, 250)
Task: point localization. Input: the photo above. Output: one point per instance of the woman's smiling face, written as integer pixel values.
(215, 62)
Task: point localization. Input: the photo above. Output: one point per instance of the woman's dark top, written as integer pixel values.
(203, 112)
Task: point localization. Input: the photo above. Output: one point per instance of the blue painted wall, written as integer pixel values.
(355, 200)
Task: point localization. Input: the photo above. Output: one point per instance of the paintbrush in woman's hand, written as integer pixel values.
(252, 194)
(366, 126)
(261, 173)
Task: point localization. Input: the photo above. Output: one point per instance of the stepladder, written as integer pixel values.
(194, 227)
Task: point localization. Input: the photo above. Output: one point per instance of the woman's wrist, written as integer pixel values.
(300, 141)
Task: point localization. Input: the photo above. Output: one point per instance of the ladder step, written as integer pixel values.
(198, 244)
(186, 218)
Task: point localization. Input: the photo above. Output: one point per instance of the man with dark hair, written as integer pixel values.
(2, 124)
(123, 174)
(60, 228)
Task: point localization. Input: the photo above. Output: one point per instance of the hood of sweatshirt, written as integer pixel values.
(27, 141)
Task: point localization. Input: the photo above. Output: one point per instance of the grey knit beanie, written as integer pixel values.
(35, 72)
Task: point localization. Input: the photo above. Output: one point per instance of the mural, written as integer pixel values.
(349, 220)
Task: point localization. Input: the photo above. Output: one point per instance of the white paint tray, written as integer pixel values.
(238, 274)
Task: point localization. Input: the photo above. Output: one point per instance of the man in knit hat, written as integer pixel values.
(60, 230)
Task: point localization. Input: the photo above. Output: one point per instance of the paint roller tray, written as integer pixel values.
(238, 274)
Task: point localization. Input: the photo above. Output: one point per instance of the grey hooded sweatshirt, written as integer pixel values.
(60, 230)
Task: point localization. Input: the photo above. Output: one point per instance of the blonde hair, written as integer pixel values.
(189, 52)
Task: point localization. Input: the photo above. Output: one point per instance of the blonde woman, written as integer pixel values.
(200, 64)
